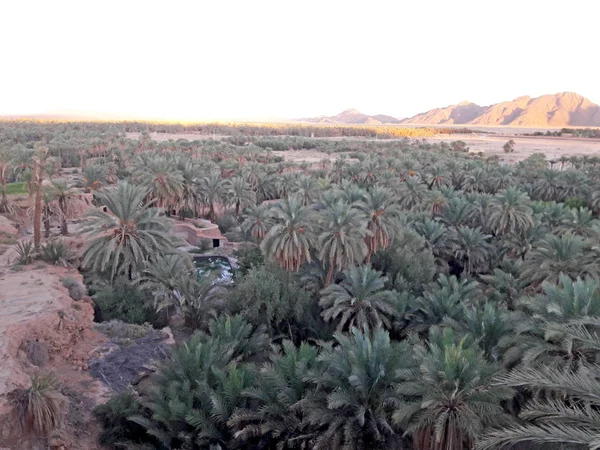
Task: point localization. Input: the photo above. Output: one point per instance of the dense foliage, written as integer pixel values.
(398, 295)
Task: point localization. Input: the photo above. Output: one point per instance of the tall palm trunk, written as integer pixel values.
(63, 216)
(329, 274)
(46, 222)
(37, 211)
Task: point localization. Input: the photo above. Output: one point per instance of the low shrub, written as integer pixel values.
(123, 333)
(226, 222)
(123, 301)
(39, 408)
(76, 288)
(7, 239)
(57, 252)
(248, 257)
(25, 250)
(118, 432)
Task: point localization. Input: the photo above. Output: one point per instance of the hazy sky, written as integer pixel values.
(262, 60)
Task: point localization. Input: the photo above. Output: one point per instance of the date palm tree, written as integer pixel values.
(341, 240)
(449, 398)
(306, 188)
(411, 192)
(360, 300)
(40, 159)
(556, 255)
(290, 239)
(472, 248)
(126, 236)
(580, 222)
(437, 178)
(211, 189)
(257, 222)
(567, 414)
(161, 179)
(188, 197)
(349, 408)
(275, 421)
(509, 212)
(382, 215)
(548, 186)
(238, 193)
(6, 164)
(66, 200)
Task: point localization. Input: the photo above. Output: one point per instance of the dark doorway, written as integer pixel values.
(216, 243)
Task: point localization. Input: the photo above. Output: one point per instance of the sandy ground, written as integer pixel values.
(490, 141)
(162, 137)
(552, 147)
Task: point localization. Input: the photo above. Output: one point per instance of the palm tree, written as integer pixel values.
(282, 383)
(449, 399)
(93, 177)
(163, 279)
(471, 246)
(504, 287)
(349, 407)
(555, 255)
(161, 179)
(257, 222)
(382, 219)
(66, 199)
(436, 178)
(188, 197)
(567, 414)
(342, 240)
(239, 194)
(197, 390)
(290, 239)
(126, 236)
(502, 178)
(306, 189)
(580, 222)
(458, 211)
(6, 163)
(509, 213)
(435, 234)
(212, 192)
(476, 181)
(548, 186)
(360, 300)
(40, 159)
(446, 299)
(412, 192)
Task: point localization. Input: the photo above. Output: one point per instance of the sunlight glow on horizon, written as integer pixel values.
(271, 60)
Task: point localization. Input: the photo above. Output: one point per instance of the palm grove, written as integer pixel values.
(399, 295)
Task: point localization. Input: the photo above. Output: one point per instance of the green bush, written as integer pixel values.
(77, 290)
(123, 301)
(118, 432)
(226, 222)
(248, 257)
(25, 250)
(123, 333)
(57, 252)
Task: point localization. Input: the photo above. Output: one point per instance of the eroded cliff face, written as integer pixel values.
(43, 331)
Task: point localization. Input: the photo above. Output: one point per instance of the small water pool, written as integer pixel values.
(212, 264)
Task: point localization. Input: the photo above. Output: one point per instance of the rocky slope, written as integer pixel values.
(43, 331)
(558, 110)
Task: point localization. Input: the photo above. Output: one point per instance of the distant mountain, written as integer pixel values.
(559, 110)
(353, 117)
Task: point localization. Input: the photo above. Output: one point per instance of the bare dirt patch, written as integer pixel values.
(525, 146)
(162, 137)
